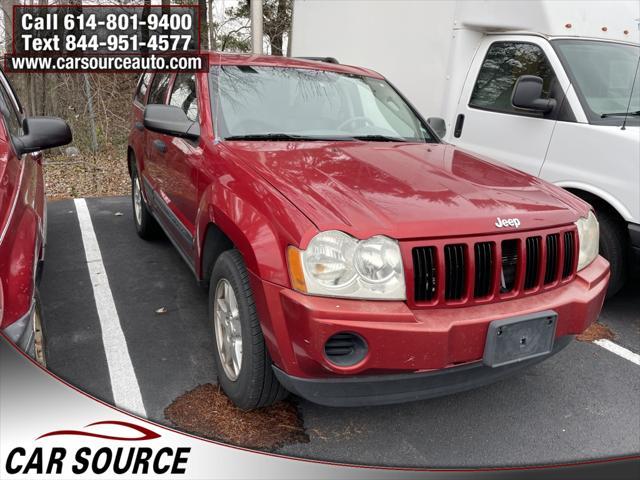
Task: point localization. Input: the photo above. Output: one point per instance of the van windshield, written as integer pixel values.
(279, 103)
(603, 75)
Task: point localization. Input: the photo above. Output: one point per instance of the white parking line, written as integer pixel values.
(618, 350)
(124, 384)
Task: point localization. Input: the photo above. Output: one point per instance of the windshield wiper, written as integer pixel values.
(621, 114)
(311, 138)
(378, 138)
(281, 137)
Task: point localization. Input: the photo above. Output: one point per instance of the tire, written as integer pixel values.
(146, 226)
(614, 247)
(255, 384)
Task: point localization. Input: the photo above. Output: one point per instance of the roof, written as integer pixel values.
(216, 58)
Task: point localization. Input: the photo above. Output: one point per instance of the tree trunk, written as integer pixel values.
(204, 25)
(290, 32)
(145, 34)
(277, 39)
(92, 115)
(212, 31)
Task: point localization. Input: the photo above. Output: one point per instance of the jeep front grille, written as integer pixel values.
(475, 270)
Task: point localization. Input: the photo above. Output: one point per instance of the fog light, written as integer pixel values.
(345, 349)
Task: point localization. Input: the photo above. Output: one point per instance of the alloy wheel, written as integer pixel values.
(137, 200)
(228, 329)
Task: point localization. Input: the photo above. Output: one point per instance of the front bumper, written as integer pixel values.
(424, 345)
(407, 387)
(22, 331)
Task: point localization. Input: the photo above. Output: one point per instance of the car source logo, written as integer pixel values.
(122, 457)
(507, 222)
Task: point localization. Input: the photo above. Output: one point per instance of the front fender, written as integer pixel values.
(253, 232)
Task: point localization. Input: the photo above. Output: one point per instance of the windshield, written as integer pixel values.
(289, 103)
(602, 74)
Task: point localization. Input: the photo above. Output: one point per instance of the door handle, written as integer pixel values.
(139, 126)
(160, 146)
(457, 131)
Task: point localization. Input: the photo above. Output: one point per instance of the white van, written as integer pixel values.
(548, 87)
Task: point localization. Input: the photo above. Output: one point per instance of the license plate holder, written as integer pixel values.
(520, 338)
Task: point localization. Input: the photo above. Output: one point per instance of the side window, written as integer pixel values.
(184, 95)
(143, 86)
(159, 88)
(10, 113)
(504, 64)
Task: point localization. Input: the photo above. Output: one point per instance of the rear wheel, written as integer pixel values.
(242, 360)
(146, 225)
(614, 247)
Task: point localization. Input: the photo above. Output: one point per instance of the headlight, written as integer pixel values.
(589, 238)
(338, 265)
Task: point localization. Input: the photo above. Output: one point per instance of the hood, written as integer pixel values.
(405, 190)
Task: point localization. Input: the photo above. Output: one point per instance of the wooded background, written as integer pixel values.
(97, 106)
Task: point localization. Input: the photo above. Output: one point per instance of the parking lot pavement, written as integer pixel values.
(583, 403)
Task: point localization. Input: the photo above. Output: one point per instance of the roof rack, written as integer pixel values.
(321, 59)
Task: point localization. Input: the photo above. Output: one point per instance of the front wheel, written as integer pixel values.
(242, 360)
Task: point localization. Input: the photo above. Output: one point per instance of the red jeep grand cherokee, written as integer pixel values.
(23, 217)
(352, 257)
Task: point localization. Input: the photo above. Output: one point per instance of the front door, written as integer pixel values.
(154, 154)
(486, 121)
(183, 158)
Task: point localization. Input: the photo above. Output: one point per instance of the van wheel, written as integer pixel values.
(613, 247)
(146, 225)
(242, 360)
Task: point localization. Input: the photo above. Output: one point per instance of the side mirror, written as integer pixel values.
(170, 120)
(42, 133)
(438, 125)
(527, 94)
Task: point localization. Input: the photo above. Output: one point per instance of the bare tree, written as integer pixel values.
(7, 14)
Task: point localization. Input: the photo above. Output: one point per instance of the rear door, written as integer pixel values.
(486, 121)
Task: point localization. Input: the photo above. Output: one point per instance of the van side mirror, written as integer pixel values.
(41, 133)
(527, 94)
(438, 125)
(170, 120)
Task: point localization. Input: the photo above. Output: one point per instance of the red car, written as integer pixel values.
(23, 217)
(352, 257)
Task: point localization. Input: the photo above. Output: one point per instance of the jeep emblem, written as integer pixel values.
(507, 222)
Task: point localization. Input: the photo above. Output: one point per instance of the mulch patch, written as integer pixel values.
(597, 331)
(206, 411)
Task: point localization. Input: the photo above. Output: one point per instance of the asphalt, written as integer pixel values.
(580, 404)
